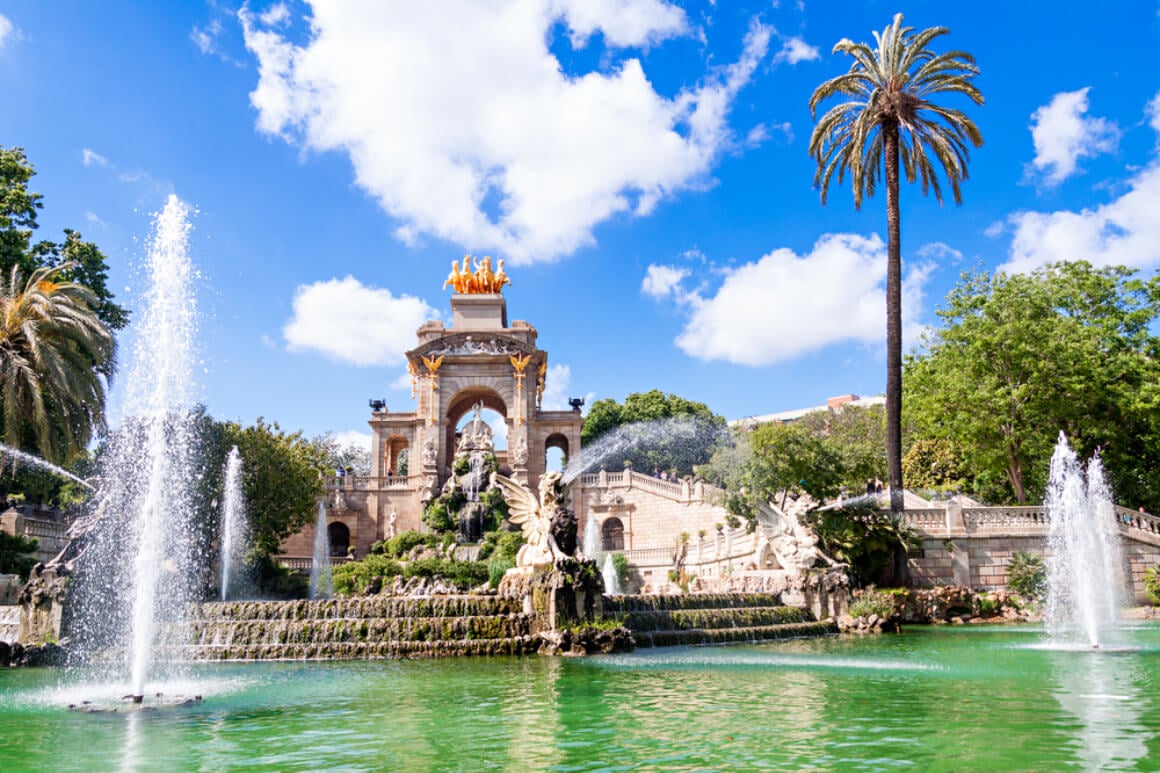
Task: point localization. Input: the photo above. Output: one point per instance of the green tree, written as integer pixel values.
(857, 434)
(80, 262)
(1020, 358)
(891, 120)
(55, 356)
(772, 462)
(16, 554)
(281, 480)
(670, 432)
(338, 455)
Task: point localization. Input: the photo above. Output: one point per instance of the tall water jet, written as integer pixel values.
(591, 542)
(141, 566)
(611, 578)
(22, 457)
(320, 580)
(1085, 558)
(233, 536)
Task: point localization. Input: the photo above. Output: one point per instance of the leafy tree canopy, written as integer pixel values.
(857, 434)
(337, 454)
(1021, 357)
(673, 434)
(19, 206)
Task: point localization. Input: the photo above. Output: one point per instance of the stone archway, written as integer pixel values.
(393, 447)
(339, 536)
(612, 535)
(463, 403)
(555, 441)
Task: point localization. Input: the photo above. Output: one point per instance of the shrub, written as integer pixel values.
(1027, 575)
(501, 545)
(872, 602)
(1152, 584)
(356, 576)
(404, 542)
(620, 564)
(496, 569)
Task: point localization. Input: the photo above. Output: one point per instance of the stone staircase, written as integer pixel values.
(657, 621)
(358, 628)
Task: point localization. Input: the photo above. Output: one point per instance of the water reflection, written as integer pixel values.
(1099, 690)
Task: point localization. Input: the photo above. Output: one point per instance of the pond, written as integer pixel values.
(932, 699)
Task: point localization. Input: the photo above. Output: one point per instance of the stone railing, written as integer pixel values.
(676, 491)
(304, 563)
(370, 483)
(953, 521)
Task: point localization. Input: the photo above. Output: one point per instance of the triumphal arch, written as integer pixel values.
(481, 360)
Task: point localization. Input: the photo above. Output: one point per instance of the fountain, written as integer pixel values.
(1085, 559)
(591, 542)
(670, 436)
(611, 579)
(141, 564)
(26, 458)
(233, 520)
(320, 585)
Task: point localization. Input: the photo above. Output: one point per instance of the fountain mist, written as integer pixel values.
(21, 457)
(233, 536)
(141, 567)
(1085, 558)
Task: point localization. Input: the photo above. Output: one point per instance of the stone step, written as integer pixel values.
(364, 650)
(371, 629)
(688, 619)
(361, 607)
(733, 635)
(657, 603)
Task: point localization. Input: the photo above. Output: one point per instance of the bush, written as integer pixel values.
(620, 564)
(1027, 575)
(404, 542)
(356, 576)
(16, 554)
(462, 574)
(501, 545)
(873, 602)
(496, 569)
(1152, 584)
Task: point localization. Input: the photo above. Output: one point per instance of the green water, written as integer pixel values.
(927, 700)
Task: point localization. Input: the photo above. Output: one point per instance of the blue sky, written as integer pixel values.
(641, 166)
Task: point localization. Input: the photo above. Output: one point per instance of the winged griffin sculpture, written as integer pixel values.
(540, 520)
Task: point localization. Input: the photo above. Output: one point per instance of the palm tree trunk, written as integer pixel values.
(893, 320)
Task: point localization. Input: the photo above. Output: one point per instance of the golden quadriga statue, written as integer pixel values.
(477, 280)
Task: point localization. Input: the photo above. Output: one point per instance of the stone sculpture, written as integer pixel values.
(549, 527)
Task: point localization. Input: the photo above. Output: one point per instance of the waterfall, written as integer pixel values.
(611, 580)
(591, 543)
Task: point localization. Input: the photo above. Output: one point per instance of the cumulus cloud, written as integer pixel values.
(1124, 231)
(785, 305)
(794, 50)
(350, 322)
(1063, 134)
(462, 123)
(661, 281)
(940, 252)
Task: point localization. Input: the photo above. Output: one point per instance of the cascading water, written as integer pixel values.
(142, 564)
(1085, 558)
(677, 435)
(611, 579)
(233, 537)
(320, 580)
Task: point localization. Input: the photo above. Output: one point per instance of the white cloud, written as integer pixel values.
(92, 158)
(661, 281)
(95, 219)
(1063, 134)
(940, 252)
(350, 322)
(8, 32)
(556, 390)
(1124, 231)
(1153, 112)
(995, 229)
(785, 305)
(461, 122)
(352, 437)
(794, 50)
(206, 38)
(275, 15)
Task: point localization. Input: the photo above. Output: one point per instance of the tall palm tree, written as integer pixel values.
(889, 119)
(55, 357)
